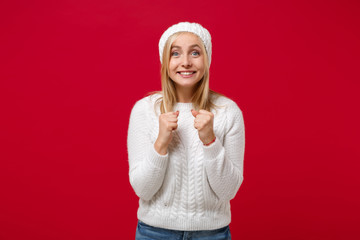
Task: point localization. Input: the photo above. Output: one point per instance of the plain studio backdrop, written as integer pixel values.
(71, 71)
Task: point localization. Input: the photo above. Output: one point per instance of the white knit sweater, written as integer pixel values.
(190, 187)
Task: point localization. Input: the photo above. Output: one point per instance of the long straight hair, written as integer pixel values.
(201, 98)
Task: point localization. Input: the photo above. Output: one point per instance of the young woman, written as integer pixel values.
(185, 145)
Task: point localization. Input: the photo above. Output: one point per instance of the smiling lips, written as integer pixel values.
(186, 74)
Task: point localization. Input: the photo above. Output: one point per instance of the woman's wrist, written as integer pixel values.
(210, 142)
(160, 148)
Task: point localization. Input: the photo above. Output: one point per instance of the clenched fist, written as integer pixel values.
(204, 123)
(167, 124)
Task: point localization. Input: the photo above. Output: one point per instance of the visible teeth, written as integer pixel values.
(186, 73)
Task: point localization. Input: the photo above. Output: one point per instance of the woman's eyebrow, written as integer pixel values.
(192, 46)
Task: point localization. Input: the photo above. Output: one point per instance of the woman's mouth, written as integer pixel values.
(187, 73)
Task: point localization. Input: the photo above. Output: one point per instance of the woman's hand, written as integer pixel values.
(204, 123)
(167, 124)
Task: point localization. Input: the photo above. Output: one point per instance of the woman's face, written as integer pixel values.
(186, 65)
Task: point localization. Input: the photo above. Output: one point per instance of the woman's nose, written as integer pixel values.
(186, 61)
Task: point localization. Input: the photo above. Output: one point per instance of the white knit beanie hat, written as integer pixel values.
(195, 28)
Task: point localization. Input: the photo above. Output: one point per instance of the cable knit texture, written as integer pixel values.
(190, 187)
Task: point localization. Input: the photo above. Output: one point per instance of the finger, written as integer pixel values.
(172, 113)
(172, 119)
(172, 126)
(175, 113)
(202, 111)
(203, 118)
(194, 113)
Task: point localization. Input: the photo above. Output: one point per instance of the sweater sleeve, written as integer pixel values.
(147, 167)
(224, 162)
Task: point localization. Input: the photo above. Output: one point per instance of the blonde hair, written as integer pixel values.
(202, 95)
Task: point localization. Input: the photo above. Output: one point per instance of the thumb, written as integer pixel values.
(194, 113)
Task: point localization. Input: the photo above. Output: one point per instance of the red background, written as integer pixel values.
(72, 70)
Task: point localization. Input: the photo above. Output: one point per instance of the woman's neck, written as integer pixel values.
(184, 95)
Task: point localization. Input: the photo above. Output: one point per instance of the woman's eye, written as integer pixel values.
(195, 53)
(174, 54)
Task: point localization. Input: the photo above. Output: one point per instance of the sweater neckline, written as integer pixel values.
(183, 106)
